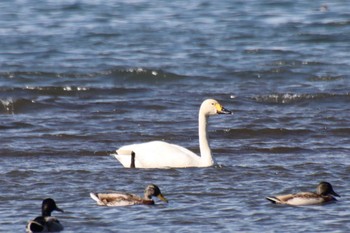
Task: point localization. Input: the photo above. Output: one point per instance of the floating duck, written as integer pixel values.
(45, 222)
(324, 193)
(159, 154)
(124, 199)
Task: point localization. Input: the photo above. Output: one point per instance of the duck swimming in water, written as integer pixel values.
(45, 222)
(324, 193)
(159, 154)
(124, 199)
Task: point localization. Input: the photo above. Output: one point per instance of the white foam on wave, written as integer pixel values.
(8, 105)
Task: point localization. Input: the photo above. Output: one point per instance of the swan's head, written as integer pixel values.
(153, 190)
(213, 107)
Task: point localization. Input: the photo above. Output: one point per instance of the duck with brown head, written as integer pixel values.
(324, 194)
(124, 199)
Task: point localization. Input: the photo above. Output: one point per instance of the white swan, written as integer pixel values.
(159, 154)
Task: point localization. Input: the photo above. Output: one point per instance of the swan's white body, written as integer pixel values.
(159, 154)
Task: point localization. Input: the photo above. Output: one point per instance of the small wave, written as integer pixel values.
(10, 106)
(33, 98)
(267, 132)
(56, 90)
(14, 125)
(122, 73)
(341, 131)
(291, 98)
(280, 150)
(20, 105)
(293, 63)
(6, 106)
(11, 153)
(322, 38)
(327, 78)
(114, 71)
(38, 74)
(268, 51)
(141, 74)
(70, 90)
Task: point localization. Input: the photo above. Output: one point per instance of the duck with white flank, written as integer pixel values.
(159, 154)
(124, 199)
(45, 222)
(324, 193)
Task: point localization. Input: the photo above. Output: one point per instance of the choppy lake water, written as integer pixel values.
(78, 79)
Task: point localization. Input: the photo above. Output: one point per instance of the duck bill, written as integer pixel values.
(335, 194)
(58, 209)
(224, 111)
(162, 198)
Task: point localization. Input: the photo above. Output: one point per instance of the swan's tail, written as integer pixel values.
(127, 155)
(124, 152)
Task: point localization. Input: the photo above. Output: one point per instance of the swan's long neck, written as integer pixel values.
(205, 151)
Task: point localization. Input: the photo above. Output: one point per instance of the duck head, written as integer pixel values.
(325, 188)
(48, 206)
(153, 190)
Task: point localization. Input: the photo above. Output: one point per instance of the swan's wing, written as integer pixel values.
(157, 154)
